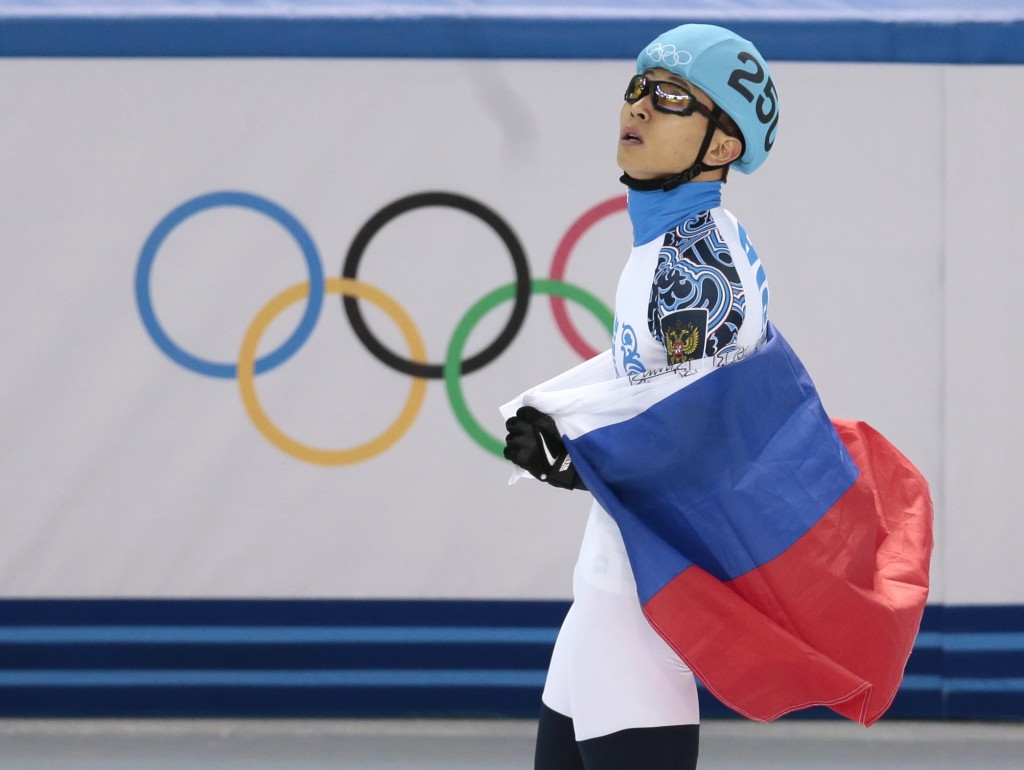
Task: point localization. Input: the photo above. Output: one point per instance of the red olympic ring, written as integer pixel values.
(576, 230)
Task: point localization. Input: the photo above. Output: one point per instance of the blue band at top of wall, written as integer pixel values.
(476, 37)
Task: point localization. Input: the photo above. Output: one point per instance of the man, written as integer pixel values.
(692, 293)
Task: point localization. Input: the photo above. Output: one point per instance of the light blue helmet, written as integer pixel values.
(730, 70)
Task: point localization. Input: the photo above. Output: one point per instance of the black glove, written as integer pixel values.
(534, 444)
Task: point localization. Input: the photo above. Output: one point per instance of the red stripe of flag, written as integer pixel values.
(832, 620)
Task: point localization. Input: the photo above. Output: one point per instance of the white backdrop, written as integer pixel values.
(885, 218)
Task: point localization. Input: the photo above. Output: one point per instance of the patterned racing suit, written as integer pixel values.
(693, 290)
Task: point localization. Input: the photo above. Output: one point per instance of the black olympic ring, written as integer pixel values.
(470, 206)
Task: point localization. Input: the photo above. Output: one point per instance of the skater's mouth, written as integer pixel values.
(630, 136)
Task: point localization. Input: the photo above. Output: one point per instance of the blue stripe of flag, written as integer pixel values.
(725, 473)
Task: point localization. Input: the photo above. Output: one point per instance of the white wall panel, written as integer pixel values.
(882, 219)
(984, 359)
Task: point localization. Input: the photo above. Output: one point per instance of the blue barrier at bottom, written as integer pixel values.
(353, 658)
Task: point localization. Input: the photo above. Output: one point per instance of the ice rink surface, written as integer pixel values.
(485, 744)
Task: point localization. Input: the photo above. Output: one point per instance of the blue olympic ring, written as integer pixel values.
(255, 203)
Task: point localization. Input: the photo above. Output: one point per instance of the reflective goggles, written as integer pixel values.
(669, 97)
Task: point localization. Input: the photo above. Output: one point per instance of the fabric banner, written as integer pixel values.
(784, 558)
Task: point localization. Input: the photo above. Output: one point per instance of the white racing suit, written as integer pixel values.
(692, 289)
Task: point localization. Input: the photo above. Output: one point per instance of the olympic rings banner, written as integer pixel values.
(273, 364)
(414, 364)
(456, 449)
(259, 313)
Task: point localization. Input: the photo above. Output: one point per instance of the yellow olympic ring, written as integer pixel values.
(247, 377)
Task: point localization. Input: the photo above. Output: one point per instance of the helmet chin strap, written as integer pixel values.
(674, 181)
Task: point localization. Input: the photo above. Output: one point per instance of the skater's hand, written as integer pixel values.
(534, 444)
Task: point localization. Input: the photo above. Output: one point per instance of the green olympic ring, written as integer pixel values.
(452, 362)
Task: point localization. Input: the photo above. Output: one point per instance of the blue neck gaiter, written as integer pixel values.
(654, 212)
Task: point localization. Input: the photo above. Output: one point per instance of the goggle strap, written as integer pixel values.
(665, 183)
(642, 185)
(698, 166)
(713, 125)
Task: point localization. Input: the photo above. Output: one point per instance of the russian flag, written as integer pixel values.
(784, 556)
